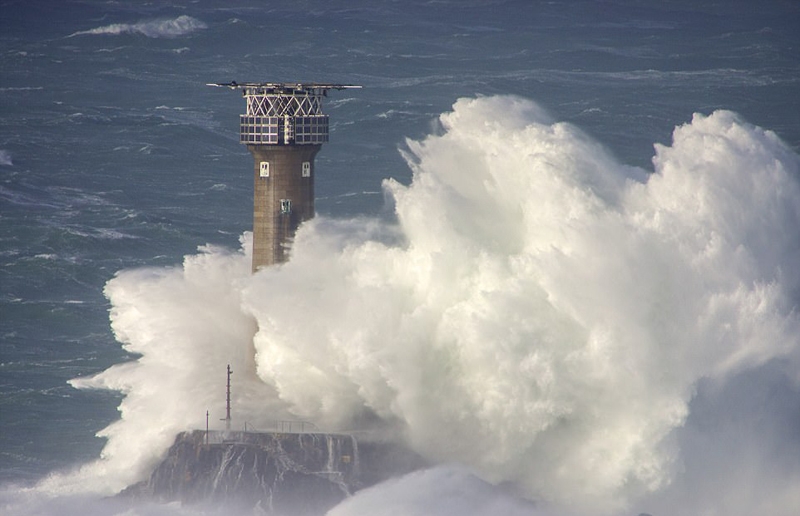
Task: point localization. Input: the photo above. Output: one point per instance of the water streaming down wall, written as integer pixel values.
(301, 473)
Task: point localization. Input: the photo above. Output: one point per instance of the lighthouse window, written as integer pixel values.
(264, 169)
(306, 169)
(286, 206)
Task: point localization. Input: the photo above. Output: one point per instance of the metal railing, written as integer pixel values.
(271, 427)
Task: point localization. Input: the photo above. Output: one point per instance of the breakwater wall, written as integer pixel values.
(297, 473)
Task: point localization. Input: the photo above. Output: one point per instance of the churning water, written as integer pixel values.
(505, 274)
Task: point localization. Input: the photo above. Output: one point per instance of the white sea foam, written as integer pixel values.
(19, 501)
(21, 88)
(5, 158)
(540, 314)
(441, 491)
(160, 28)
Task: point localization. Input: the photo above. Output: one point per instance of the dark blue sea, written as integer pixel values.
(557, 245)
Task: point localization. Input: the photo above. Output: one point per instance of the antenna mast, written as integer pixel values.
(228, 401)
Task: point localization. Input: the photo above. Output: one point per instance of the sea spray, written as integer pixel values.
(550, 311)
(444, 490)
(539, 312)
(186, 324)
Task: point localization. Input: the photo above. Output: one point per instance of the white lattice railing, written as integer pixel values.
(283, 113)
(271, 104)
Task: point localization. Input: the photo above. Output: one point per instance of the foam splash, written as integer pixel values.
(5, 158)
(441, 490)
(160, 28)
(540, 314)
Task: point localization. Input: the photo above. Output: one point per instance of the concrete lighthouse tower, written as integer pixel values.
(283, 128)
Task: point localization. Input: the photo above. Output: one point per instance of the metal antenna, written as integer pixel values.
(228, 400)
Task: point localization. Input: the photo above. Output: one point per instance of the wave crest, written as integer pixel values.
(159, 28)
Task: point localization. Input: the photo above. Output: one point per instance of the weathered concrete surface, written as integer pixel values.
(273, 228)
(299, 474)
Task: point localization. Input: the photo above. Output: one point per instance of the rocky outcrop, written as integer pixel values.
(297, 473)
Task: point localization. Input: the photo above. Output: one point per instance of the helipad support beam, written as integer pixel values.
(284, 129)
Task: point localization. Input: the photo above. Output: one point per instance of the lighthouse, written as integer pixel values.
(284, 129)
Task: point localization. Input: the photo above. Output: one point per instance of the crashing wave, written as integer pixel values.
(540, 313)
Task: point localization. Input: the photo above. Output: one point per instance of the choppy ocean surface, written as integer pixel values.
(557, 245)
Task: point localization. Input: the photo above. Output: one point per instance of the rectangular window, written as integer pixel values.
(306, 169)
(264, 169)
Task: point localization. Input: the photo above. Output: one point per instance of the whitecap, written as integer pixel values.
(159, 28)
(21, 88)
